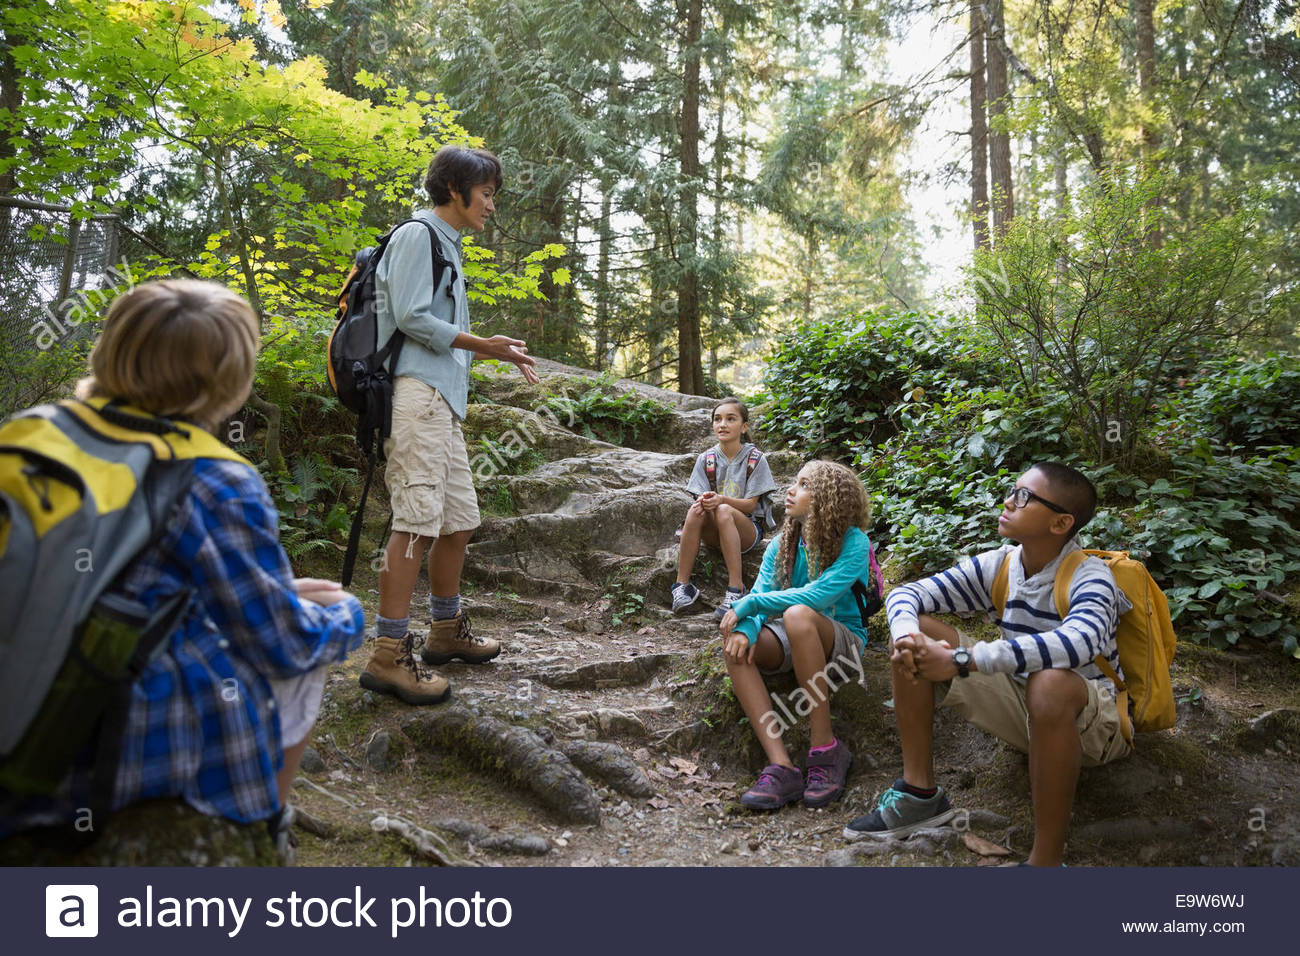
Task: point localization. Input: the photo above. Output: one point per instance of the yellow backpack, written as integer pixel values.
(1145, 637)
(85, 487)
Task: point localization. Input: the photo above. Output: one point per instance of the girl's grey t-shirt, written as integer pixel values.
(732, 482)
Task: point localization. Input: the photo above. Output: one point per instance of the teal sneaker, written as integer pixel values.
(899, 813)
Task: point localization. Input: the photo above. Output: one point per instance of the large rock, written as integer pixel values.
(684, 426)
(499, 438)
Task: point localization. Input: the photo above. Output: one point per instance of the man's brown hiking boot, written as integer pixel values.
(451, 640)
(393, 669)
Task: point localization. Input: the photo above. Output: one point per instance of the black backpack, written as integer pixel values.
(361, 372)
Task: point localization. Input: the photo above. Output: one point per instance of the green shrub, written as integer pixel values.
(313, 516)
(940, 483)
(1221, 538)
(844, 384)
(1218, 525)
(1083, 304)
(1243, 402)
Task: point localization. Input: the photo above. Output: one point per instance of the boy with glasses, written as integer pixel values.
(1037, 688)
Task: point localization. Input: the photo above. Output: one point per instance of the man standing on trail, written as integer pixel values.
(428, 473)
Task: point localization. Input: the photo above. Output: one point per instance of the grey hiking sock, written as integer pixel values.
(395, 627)
(443, 608)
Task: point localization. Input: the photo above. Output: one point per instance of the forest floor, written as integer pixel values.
(1217, 790)
(609, 665)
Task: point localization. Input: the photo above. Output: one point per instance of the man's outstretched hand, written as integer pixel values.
(515, 351)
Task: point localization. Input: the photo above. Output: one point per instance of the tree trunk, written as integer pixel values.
(690, 372)
(1059, 171)
(810, 256)
(1146, 74)
(542, 333)
(235, 223)
(999, 138)
(1144, 14)
(716, 305)
(979, 131)
(11, 102)
(602, 277)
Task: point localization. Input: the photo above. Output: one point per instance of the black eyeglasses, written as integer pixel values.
(1022, 496)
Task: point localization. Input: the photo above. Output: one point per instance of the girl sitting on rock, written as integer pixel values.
(731, 482)
(804, 615)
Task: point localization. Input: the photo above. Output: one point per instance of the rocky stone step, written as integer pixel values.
(520, 581)
(497, 437)
(603, 674)
(685, 427)
(584, 547)
(577, 484)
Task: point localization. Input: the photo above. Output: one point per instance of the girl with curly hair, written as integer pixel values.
(804, 615)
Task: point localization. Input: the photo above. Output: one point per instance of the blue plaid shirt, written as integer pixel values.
(203, 725)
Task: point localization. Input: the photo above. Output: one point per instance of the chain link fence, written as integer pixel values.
(54, 270)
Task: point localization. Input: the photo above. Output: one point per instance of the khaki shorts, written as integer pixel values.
(297, 699)
(846, 652)
(428, 477)
(995, 703)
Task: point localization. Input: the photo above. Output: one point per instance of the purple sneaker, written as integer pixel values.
(827, 772)
(775, 787)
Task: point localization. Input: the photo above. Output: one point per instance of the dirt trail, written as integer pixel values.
(572, 580)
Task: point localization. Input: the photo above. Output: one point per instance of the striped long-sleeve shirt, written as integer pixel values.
(1033, 635)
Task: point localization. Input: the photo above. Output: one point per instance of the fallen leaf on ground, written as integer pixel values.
(684, 765)
(659, 803)
(701, 779)
(983, 847)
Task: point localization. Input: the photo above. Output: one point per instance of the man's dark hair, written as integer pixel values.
(1071, 489)
(455, 169)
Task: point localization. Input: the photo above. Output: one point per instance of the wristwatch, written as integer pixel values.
(961, 658)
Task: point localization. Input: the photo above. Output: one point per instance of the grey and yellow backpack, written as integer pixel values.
(85, 487)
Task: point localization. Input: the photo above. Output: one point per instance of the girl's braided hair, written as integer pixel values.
(839, 502)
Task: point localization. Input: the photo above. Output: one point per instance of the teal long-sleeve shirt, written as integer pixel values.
(830, 594)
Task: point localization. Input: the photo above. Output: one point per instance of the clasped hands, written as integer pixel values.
(708, 501)
(922, 657)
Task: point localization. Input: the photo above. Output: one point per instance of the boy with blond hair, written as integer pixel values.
(221, 713)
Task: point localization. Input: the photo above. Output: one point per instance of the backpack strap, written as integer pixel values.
(371, 434)
(868, 600)
(751, 463)
(873, 567)
(1121, 697)
(1064, 578)
(112, 729)
(1000, 584)
(1061, 598)
(711, 469)
(168, 438)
